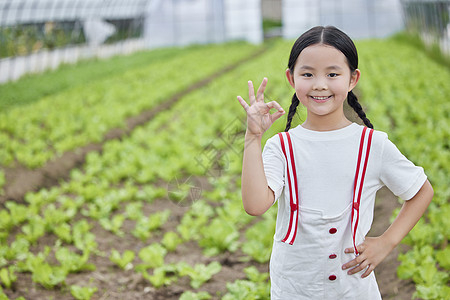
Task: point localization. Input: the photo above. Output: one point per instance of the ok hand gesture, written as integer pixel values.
(258, 117)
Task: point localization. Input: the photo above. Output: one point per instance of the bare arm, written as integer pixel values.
(410, 213)
(257, 197)
(374, 250)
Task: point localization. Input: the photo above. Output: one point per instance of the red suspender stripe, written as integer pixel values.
(354, 204)
(295, 208)
(359, 183)
(293, 190)
(290, 186)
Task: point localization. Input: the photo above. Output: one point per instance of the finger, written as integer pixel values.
(357, 269)
(276, 105)
(368, 271)
(260, 92)
(352, 263)
(251, 92)
(360, 249)
(349, 250)
(276, 116)
(243, 103)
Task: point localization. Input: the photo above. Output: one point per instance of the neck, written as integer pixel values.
(326, 123)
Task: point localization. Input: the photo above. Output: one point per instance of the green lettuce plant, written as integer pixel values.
(171, 240)
(8, 276)
(218, 237)
(72, 262)
(82, 293)
(162, 275)
(124, 261)
(188, 295)
(200, 273)
(152, 256)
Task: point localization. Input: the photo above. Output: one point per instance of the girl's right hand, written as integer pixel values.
(258, 117)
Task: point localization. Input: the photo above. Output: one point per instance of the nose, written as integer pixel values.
(320, 84)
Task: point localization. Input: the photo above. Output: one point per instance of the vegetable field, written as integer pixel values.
(122, 181)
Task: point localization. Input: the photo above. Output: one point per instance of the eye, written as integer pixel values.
(306, 75)
(333, 74)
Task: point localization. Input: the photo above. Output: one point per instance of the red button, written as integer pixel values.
(332, 256)
(332, 277)
(333, 230)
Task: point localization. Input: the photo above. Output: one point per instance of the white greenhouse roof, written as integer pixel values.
(37, 11)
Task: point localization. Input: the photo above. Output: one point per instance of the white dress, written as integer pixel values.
(325, 161)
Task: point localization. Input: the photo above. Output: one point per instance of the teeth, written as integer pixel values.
(320, 98)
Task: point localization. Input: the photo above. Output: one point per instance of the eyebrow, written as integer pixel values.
(333, 67)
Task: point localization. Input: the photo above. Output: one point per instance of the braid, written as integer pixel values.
(292, 110)
(353, 102)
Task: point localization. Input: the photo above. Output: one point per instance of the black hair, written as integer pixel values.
(334, 37)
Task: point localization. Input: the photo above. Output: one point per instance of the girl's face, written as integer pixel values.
(322, 79)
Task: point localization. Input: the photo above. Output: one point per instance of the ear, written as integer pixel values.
(290, 78)
(354, 79)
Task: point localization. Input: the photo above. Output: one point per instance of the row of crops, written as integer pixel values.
(105, 218)
(84, 113)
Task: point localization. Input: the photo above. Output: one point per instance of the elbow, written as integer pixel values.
(253, 211)
(256, 205)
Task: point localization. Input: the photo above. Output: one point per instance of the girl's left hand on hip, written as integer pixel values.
(371, 252)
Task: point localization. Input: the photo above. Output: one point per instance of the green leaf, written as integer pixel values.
(163, 275)
(34, 229)
(254, 275)
(219, 236)
(82, 293)
(63, 232)
(48, 276)
(200, 273)
(188, 295)
(113, 224)
(8, 276)
(73, 262)
(152, 256)
(17, 212)
(171, 240)
(124, 261)
(443, 258)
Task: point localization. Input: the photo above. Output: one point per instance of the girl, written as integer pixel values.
(325, 173)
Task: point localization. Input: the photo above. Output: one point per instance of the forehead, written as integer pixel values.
(321, 56)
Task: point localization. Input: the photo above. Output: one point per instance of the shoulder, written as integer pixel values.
(382, 141)
(378, 140)
(384, 148)
(379, 137)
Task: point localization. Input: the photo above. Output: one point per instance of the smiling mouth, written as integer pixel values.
(320, 99)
